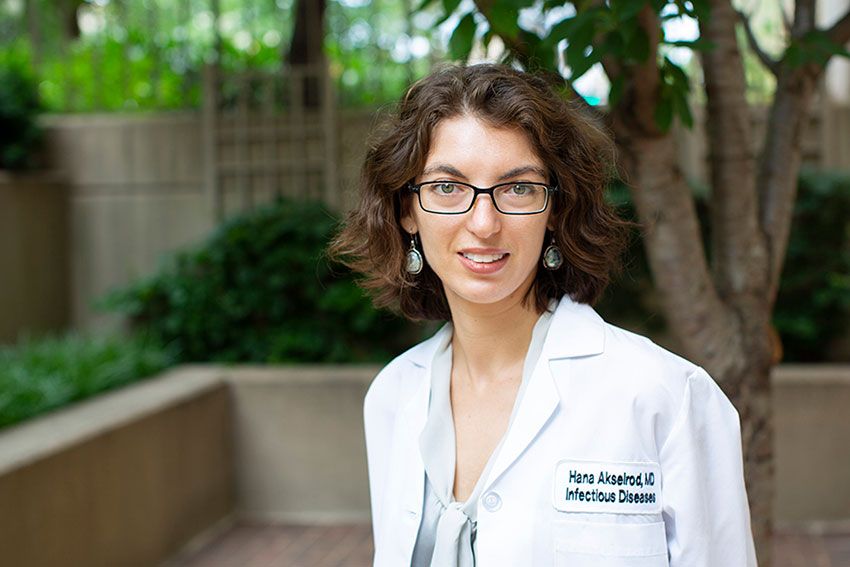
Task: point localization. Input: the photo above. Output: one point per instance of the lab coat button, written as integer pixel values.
(492, 501)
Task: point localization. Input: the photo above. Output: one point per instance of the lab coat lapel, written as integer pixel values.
(412, 422)
(576, 330)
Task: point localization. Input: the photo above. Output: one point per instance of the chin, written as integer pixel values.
(486, 295)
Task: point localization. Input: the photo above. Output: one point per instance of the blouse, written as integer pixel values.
(446, 536)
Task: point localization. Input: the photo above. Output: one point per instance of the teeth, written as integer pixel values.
(483, 258)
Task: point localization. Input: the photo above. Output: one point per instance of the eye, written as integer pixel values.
(523, 189)
(445, 188)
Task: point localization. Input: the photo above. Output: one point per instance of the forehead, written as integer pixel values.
(469, 141)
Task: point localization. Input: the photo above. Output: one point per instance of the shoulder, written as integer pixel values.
(640, 359)
(661, 377)
(400, 378)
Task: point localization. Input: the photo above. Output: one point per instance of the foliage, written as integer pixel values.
(813, 304)
(375, 49)
(259, 290)
(568, 39)
(37, 376)
(588, 33)
(19, 109)
(145, 56)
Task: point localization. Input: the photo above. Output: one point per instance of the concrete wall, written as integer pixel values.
(35, 287)
(123, 479)
(812, 442)
(300, 455)
(135, 193)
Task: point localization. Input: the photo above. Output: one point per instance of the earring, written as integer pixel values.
(414, 257)
(552, 257)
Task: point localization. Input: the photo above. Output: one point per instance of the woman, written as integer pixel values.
(527, 430)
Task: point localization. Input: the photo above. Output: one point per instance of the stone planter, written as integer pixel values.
(34, 254)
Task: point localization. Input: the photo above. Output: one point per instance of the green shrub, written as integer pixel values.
(813, 303)
(40, 375)
(19, 109)
(260, 290)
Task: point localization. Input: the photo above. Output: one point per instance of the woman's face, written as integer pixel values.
(481, 256)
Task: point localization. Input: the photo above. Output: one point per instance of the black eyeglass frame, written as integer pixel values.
(415, 188)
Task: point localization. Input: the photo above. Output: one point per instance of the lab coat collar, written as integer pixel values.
(576, 330)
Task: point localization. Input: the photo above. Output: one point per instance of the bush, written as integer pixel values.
(813, 303)
(19, 109)
(40, 375)
(260, 290)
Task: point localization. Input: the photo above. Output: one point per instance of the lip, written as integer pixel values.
(482, 267)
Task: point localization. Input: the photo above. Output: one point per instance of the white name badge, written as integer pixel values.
(605, 486)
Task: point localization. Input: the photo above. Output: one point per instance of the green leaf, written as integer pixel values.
(699, 44)
(794, 56)
(677, 73)
(485, 39)
(702, 9)
(627, 9)
(450, 6)
(682, 108)
(614, 42)
(559, 31)
(664, 113)
(615, 93)
(823, 47)
(814, 47)
(504, 19)
(423, 4)
(580, 65)
(460, 43)
(637, 46)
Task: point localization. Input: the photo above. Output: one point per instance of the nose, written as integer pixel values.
(484, 220)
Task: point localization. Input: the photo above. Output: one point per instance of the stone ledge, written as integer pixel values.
(53, 432)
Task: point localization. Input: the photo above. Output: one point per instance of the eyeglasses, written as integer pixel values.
(456, 197)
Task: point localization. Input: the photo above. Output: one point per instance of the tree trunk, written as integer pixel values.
(307, 46)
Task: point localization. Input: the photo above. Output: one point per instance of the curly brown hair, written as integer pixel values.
(578, 152)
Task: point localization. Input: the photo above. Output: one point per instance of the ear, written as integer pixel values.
(408, 223)
(408, 219)
(550, 222)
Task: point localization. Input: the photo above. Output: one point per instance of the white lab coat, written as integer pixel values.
(599, 396)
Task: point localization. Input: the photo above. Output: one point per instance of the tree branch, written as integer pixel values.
(786, 20)
(804, 17)
(840, 30)
(780, 165)
(765, 59)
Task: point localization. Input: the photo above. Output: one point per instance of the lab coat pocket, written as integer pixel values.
(592, 544)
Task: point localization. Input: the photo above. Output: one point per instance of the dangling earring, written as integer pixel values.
(414, 257)
(552, 257)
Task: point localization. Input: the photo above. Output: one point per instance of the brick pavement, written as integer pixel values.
(350, 545)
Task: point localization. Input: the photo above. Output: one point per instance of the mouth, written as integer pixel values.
(483, 263)
(483, 258)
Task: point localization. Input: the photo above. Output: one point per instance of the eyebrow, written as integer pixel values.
(515, 172)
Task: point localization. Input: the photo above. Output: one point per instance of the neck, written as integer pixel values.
(490, 342)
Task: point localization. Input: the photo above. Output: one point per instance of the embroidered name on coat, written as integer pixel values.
(605, 486)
